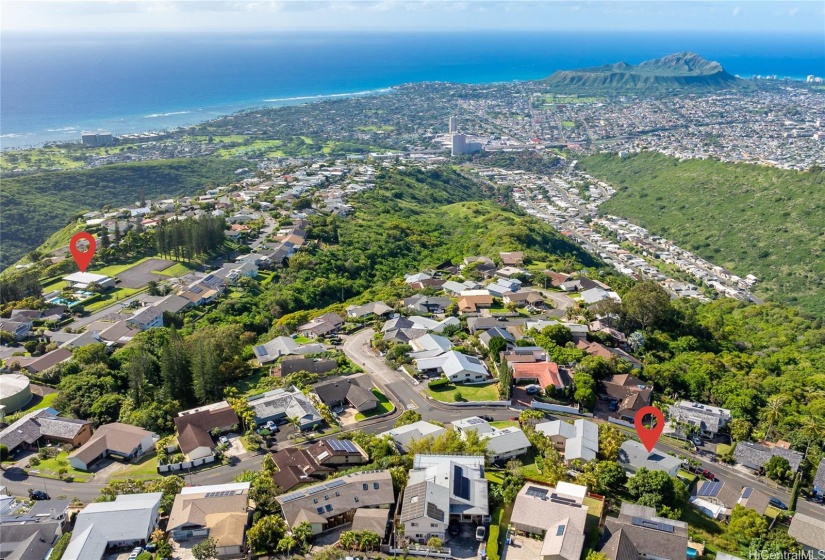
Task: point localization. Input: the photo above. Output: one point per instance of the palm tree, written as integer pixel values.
(773, 412)
(812, 428)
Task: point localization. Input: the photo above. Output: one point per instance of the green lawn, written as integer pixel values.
(145, 468)
(504, 424)
(248, 386)
(591, 524)
(302, 340)
(446, 393)
(50, 467)
(494, 476)
(111, 298)
(177, 269)
(568, 124)
(384, 406)
(115, 269)
(40, 402)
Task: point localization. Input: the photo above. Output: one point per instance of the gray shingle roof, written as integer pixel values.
(819, 477)
(808, 531)
(755, 455)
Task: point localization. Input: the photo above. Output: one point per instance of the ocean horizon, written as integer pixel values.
(55, 87)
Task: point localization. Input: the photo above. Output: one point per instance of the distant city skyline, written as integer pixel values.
(31, 16)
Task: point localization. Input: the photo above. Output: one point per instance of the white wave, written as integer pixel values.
(328, 95)
(156, 115)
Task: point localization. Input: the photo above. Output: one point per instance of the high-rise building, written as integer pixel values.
(453, 125)
(459, 144)
(94, 139)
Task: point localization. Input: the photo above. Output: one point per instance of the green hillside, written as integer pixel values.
(34, 207)
(410, 220)
(673, 72)
(748, 218)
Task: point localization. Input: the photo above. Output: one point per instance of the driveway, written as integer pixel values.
(236, 448)
(464, 545)
(140, 274)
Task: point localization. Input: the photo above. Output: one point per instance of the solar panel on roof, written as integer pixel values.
(655, 525)
(746, 493)
(261, 350)
(710, 489)
(292, 497)
(335, 483)
(315, 490)
(536, 492)
(342, 445)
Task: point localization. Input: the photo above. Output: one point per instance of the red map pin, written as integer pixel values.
(649, 436)
(80, 257)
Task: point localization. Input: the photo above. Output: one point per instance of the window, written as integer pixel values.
(433, 524)
(413, 524)
(328, 507)
(366, 486)
(320, 509)
(337, 493)
(314, 500)
(375, 486)
(326, 497)
(356, 498)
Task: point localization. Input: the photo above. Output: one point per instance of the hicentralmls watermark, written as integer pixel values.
(759, 554)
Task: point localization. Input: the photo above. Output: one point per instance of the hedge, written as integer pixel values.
(438, 383)
(60, 547)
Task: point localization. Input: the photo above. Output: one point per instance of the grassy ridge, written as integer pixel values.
(34, 207)
(750, 219)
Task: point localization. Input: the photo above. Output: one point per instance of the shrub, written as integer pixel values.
(34, 461)
(438, 383)
(60, 546)
(4, 452)
(458, 397)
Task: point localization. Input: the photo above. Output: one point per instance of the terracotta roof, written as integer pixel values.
(547, 373)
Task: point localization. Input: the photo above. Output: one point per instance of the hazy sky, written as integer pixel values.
(436, 15)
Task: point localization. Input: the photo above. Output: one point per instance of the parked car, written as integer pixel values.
(697, 441)
(223, 439)
(135, 553)
(709, 475)
(613, 406)
(281, 421)
(777, 503)
(481, 532)
(455, 528)
(487, 417)
(38, 495)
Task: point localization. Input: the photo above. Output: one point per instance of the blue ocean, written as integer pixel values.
(52, 87)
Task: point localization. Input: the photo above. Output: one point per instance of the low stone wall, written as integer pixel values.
(186, 465)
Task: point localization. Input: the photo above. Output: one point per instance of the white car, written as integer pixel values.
(481, 531)
(135, 553)
(223, 439)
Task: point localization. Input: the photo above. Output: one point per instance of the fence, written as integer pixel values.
(175, 467)
(559, 408)
(418, 550)
(620, 422)
(479, 403)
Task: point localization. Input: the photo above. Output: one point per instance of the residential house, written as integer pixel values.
(809, 532)
(501, 287)
(525, 354)
(41, 363)
(405, 435)
(45, 426)
(417, 277)
(294, 364)
(126, 522)
(441, 488)
(429, 346)
(489, 334)
(303, 465)
(752, 498)
(545, 374)
(372, 309)
(755, 455)
(627, 394)
(288, 403)
(55, 313)
(512, 258)
(715, 498)
(195, 428)
(220, 511)
(472, 303)
(427, 304)
(708, 419)
(509, 272)
(819, 479)
(556, 278)
(476, 324)
(82, 280)
(374, 520)
(113, 440)
(457, 367)
(28, 537)
(354, 391)
(282, 346)
(336, 502)
(326, 324)
(20, 328)
(502, 443)
(596, 349)
(523, 298)
(633, 456)
(147, 318)
(639, 533)
(595, 295)
(456, 288)
(557, 515)
(579, 440)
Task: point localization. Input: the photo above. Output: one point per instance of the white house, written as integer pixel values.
(502, 443)
(404, 435)
(146, 318)
(579, 440)
(81, 280)
(457, 367)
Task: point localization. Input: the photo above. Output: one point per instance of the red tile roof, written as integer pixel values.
(547, 373)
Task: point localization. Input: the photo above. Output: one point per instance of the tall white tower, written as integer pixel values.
(453, 125)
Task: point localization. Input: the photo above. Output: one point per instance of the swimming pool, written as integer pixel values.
(692, 552)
